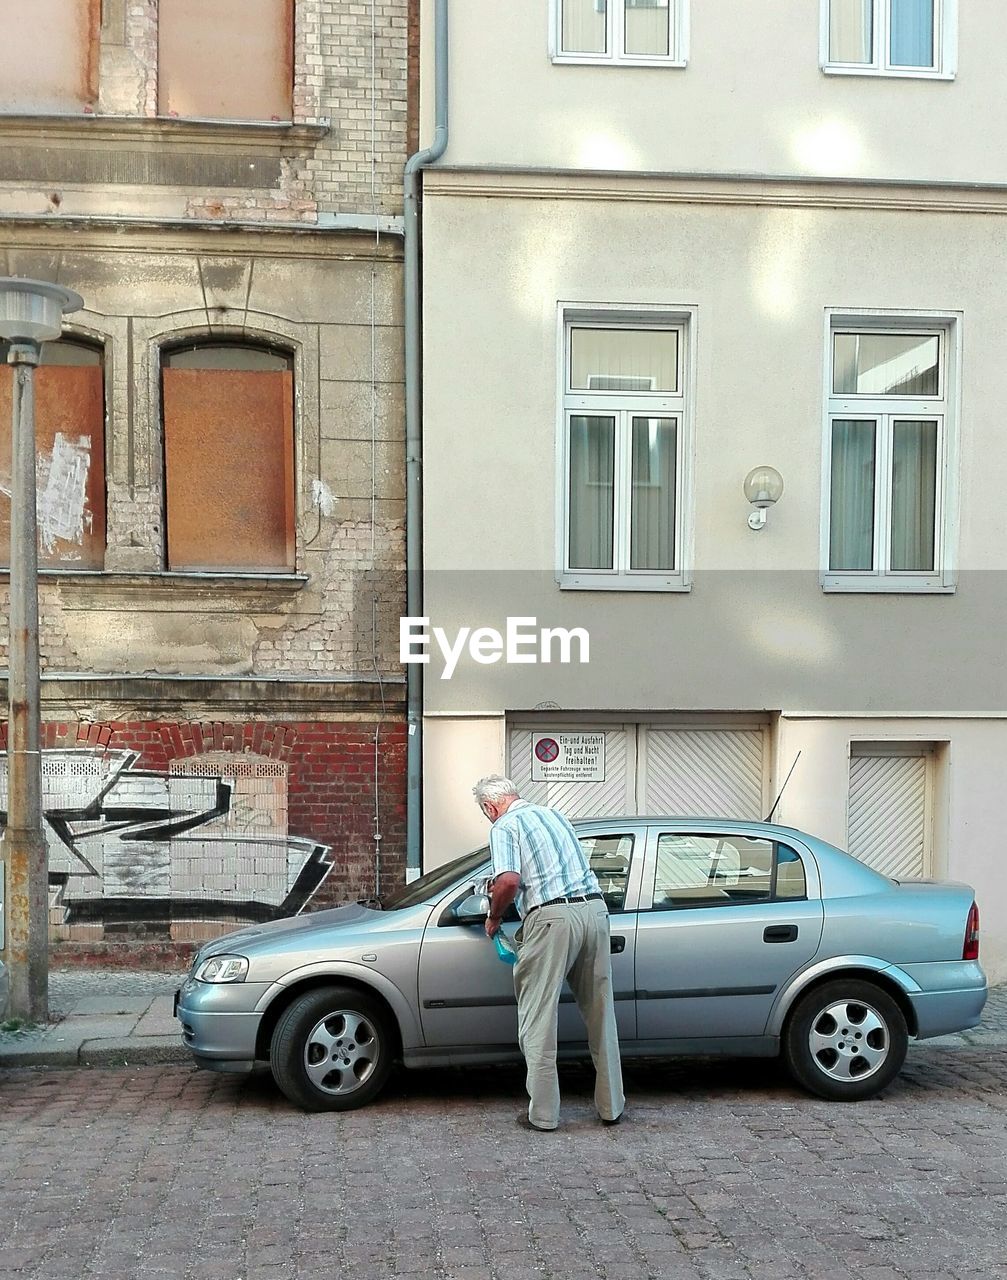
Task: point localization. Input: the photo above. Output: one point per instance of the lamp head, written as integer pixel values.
(763, 487)
(31, 311)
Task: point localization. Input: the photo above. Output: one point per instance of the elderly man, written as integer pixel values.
(539, 863)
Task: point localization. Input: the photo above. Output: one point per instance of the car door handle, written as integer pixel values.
(618, 945)
(780, 933)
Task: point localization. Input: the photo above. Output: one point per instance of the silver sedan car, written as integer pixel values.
(728, 937)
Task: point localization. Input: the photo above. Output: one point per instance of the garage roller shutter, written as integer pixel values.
(705, 772)
(888, 814)
(612, 797)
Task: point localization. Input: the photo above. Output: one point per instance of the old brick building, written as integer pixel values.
(219, 452)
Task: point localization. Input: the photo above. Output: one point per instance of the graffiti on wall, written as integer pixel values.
(207, 840)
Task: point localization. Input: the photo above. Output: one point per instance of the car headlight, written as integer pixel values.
(222, 969)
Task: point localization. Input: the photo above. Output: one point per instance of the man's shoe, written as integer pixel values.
(524, 1123)
(614, 1120)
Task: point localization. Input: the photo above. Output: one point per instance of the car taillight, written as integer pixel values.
(970, 951)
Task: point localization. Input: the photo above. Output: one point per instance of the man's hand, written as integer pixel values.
(503, 891)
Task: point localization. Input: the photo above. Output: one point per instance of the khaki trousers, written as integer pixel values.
(568, 941)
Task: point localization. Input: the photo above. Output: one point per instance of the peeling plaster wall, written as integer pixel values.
(349, 460)
(349, 99)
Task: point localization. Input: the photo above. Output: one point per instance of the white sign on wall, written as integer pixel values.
(568, 757)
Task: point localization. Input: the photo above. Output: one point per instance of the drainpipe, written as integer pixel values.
(414, 438)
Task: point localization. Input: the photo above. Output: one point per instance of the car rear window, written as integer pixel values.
(694, 870)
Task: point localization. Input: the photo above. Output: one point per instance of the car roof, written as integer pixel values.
(695, 824)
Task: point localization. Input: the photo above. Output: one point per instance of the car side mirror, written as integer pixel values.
(473, 910)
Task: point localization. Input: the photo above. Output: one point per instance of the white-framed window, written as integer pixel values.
(890, 37)
(621, 32)
(624, 456)
(889, 453)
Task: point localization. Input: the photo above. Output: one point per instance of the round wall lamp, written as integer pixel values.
(763, 487)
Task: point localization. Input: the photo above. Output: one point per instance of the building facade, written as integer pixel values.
(684, 276)
(219, 453)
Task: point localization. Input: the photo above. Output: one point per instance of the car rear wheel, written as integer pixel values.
(845, 1040)
(332, 1049)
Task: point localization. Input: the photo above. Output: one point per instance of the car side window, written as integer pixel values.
(791, 882)
(610, 856)
(718, 870)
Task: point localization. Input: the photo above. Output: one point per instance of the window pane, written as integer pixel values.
(851, 31)
(790, 878)
(70, 470)
(912, 33)
(227, 60)
(609, 857)
(655, 447)
(221, 356)
(584, 26)
(851, 526)
(592, 491)
(49, 56)
(228, 455)
(886, 364)
(648, 27)
(696, 871)
(623, 360)
(914, 495)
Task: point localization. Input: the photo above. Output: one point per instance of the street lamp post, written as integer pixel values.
(31, 312)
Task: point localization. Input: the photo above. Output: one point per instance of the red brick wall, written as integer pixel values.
(340, 782)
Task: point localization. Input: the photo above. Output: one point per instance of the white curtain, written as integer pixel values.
(648, 27)
(912, 33)
(851, 30)
(592, 491)
(914, 495)
(584, 26)
(654, 447)
(851, 526)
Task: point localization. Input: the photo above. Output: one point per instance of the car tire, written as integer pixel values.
(332, 1049)
(845, 1040)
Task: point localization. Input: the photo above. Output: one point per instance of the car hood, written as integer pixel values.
(275, 933)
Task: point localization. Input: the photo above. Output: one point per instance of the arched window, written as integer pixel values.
(200, 72)
(70, 456)
(228, 413)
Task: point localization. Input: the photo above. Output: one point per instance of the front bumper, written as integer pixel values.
(220, 1023)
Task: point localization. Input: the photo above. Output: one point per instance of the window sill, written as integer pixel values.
(838, 584)
(584, 60)
(623, 582)
(888, 73)
(270, 134)
(92, 590)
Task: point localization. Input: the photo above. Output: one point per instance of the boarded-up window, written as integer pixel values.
(229, 459)
(226, 59)
(70, 457)
(49, 56)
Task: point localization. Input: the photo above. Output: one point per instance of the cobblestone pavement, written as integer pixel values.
(721, 1171)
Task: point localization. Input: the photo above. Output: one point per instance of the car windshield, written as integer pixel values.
(434, 882)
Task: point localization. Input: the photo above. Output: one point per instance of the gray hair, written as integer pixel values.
(494, 788)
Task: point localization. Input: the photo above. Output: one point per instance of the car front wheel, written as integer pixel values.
(845, 1040)
(332, 1049)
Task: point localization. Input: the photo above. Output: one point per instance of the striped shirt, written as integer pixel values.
(542, 847)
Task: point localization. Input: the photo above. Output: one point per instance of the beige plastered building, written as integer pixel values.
(670, 243)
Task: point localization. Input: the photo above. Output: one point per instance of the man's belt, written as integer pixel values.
(559, 902)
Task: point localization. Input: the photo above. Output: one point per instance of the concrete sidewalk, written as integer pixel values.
(100, 1018)
(116, 1018)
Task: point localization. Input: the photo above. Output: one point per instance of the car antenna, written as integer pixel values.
(769, 816)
